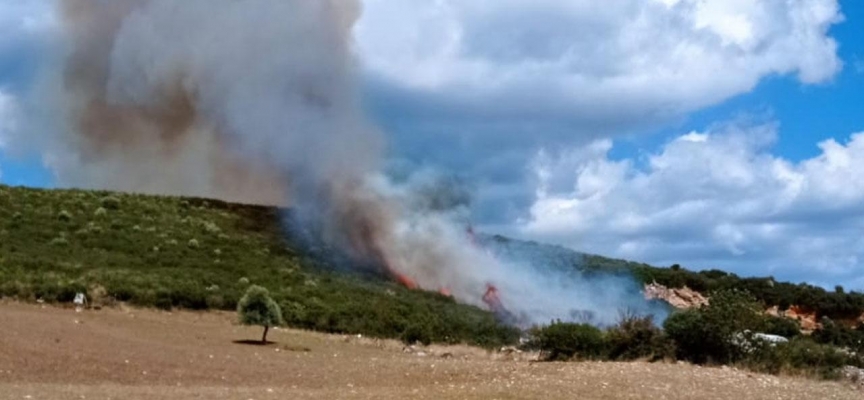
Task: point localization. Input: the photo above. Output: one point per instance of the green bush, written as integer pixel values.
(837, 334)
(562, 341)
(688, 330)
(417, 333)
(800, 356)
(715, 333)
(60, 242)
(110, 202)
(64, 216)
(637, 337)
(781, 326)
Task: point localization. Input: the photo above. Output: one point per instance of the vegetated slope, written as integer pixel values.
(838, 305)
(199, 254)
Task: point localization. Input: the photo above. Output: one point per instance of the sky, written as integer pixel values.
(709, 133)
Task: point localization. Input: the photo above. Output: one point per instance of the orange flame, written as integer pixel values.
(492, 299)
(403, 280)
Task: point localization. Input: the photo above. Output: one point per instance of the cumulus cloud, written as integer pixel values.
(478, 85)
(542, 58)
(7, 109)
(23, 24)
(718, 198)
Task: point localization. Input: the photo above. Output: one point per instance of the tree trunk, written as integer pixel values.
(264, 338)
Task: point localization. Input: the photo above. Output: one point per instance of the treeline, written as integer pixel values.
(838, 305)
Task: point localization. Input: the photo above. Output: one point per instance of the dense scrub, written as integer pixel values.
(202, 254)
(722, 333)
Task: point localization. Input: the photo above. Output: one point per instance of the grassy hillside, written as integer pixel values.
(198, 254)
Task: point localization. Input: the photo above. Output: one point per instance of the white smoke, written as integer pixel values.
(231, 98)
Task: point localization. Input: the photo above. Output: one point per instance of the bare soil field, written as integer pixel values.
(53, 353)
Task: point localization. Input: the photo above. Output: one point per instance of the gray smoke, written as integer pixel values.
(256, 100)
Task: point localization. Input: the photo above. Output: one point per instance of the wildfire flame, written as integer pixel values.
(492, 296)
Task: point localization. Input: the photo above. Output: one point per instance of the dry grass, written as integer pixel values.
(51, 353)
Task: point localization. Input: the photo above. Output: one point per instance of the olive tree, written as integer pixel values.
(258, 308)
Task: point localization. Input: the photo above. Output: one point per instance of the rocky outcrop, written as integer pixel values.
(806, 320)
(681, 298)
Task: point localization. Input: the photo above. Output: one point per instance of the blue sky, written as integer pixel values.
(667, 131)
(808, 113)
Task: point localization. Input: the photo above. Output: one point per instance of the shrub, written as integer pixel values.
(637, 338)
(688, 330)
(562, 341)
(839, 335)
(257, 308)
(110, 202)
(212, 228)
(100, 212)
(799, 356)
(714, 332)
(64, 216)
(417, 333)
(193, 244)
(781, 326)
(60, 242)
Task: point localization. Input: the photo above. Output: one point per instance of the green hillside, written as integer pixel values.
(202, 254)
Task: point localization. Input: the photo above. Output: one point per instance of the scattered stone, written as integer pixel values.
(854, 375)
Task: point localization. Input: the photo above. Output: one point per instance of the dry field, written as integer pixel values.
(52, 353)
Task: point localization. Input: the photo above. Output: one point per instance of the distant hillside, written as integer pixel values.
(837, 305)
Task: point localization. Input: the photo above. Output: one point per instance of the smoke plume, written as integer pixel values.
(256, 101)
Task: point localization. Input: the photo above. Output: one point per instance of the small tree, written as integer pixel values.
(258, 308)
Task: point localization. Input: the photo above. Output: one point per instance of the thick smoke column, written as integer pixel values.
(256, 100)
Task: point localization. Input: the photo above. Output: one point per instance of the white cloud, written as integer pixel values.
(20, 18)
(7, 108)
(713, 199)
(478, 86)
(626, 59)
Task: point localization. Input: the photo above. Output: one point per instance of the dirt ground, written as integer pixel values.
(53, 353)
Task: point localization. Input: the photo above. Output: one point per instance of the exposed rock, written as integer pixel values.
(807, 320)
(681, 298)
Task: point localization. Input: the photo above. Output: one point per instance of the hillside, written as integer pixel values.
(202, 254)
(837, 305)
